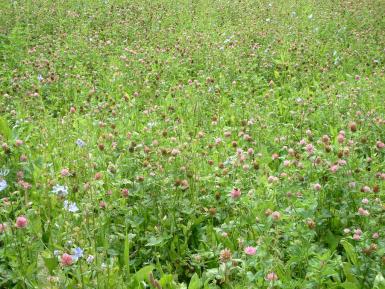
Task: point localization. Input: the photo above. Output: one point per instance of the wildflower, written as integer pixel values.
(197, 258)
(227, 133)
(250, 250)
(365, 201)
(70, 206)
(125, 192)
(56, 252)
(235, 193)
(151, 124)
(358, 232)
(310, 149)
(302, 142)
(247, 137)
(365, 189)
(230, 160)
(271, 277)
(225, 255)
(90, 259)
(175, 152)
(276, 215)
(3, 184)
(268, 212)
(272, 179)
(52, 279)
(325, 139)
(310, 223)
(334, 168)
(2, 228)
(21, 222)
(352, 184)
(65, 172)
(25, 185)
(356, 237)
(346, 231)
(77, 253)
(18, 142)
(353, 126)
(59, 190)
(363, 212)
(66, 259)
(380, 145)
(5, 147)
(299, 165)
(80, 143)
(340, 138)
(317, 187)
(375, 235)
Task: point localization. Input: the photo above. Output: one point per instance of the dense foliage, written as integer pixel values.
(192, 144)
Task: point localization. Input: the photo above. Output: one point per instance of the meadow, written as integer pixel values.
(202, 144)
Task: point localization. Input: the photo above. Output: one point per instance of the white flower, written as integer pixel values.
(70, 206)
(230, 160)
(90, 259)
(80, 143)
(3, 185)
(151, 124)
(77, 253)
(59, 190)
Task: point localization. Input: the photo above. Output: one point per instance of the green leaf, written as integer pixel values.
(126, 254)
(51, 264)
(350, 285)
(5, 130)
(379, 281)
(347, 267)
(332, 240)
(195, 282)
(153, 241)
(350, 253)
(166, 280)
(142, 274)
(276, 74)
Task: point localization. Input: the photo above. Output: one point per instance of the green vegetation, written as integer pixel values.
(192, 144)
